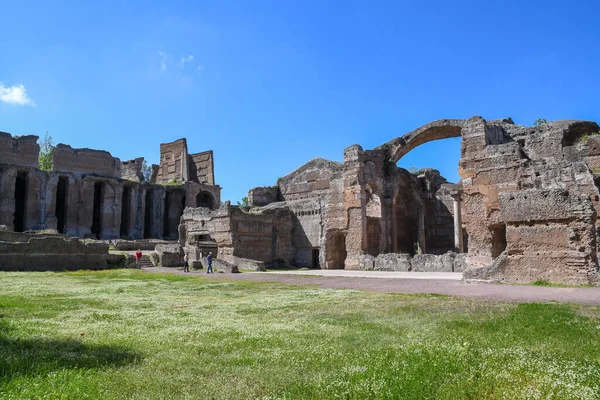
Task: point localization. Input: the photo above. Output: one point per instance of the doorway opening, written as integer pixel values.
(315, 259)
(125, 211)
(167, 209)
(498, 239)
(61, 204)
(148, 212)
(97, 210)
(20, 201)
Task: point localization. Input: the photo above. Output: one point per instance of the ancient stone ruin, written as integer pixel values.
(91, 194)
(525, 208)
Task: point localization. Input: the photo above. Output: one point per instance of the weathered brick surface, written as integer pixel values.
(85, 161)
(22, 151)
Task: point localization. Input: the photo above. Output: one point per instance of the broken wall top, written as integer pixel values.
(173, 162)
(202, 168)
(132, 169)
(315, 175)
(22, 151)
(85, 161)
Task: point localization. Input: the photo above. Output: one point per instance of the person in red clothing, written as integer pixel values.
(138, 259)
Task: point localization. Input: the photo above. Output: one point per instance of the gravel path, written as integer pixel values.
(429, 284)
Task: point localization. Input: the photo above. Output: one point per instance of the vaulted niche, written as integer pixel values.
(204, 199)
(20, 201)
(148, 213)
(62, 194)
(125, 211)
(98, 209)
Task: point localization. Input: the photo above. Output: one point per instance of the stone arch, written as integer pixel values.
(205, 199)
(442, 129)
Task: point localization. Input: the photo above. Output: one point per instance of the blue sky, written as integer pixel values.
(269, 85)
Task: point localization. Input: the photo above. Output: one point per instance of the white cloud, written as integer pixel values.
(185, 59)
(16, 94)
(164, 60)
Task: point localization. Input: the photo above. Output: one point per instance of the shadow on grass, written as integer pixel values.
(32, 357)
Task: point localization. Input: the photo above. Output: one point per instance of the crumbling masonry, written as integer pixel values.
(91, 194)
(525, 208)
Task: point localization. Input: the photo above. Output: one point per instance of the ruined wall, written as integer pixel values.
(85, 161)
(23, 151)
(263, 235)
(89, 199)
(22, 252)
(173, 162)
(314, 194)
(132, 170)
(261, 196)
(525, 199)
(202, 169)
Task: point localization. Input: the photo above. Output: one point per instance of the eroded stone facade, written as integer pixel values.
(89, 193)
(525, 208)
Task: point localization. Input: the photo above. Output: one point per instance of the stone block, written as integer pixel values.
(170, 255)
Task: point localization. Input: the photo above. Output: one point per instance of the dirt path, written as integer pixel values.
(509, 293)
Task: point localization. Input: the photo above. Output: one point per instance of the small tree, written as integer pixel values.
(244, 202)
(540, 122)
(46, 152)
(146, 171)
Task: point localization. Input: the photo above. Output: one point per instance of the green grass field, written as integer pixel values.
(127, 334)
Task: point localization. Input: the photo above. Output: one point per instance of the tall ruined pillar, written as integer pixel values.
(354, 205)
(458, 237)
(422, 241)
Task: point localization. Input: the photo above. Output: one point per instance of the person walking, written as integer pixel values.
(209, 262)
(186, 267)
(138, 259)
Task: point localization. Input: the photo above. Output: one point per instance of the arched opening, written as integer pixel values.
(125, 211)
(434, 164)
(148, 213)
(204, 199)
(62, 192)
(20, 201)
(97, 213)
(173, 210)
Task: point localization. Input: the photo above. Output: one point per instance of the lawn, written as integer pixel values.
(128, 334)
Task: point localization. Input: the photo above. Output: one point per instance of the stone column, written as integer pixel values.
(458, 236)
(422, 241)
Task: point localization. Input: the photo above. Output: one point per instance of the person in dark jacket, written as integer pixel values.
(209, 262)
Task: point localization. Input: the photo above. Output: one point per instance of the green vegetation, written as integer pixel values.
(133, 334)
(146, 171)
(46, 152)
(548, 283)
(244, 202)
(540, 122)
(586, 136)
(173, 182)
